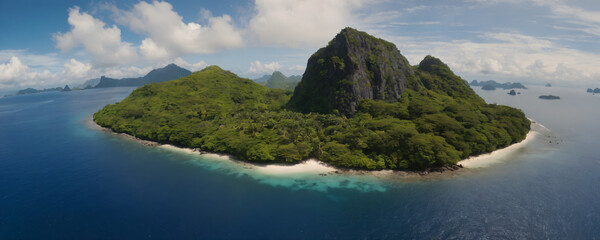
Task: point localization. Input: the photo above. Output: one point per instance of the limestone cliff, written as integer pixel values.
(353, 66)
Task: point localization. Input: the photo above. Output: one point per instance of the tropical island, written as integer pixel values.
(549, 97)
(359, 105)
(596, 90)
(492, 85)
(33, 90)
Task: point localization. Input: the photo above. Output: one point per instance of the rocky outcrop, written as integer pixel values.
(353, 66)
(66, 89)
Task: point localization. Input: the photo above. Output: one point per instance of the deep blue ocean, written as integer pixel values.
(60, 178)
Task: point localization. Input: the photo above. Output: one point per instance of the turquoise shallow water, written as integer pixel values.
(62, 179)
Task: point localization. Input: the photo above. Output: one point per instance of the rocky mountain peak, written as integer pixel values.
(353, 66)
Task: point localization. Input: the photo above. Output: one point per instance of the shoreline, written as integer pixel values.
(483, 160)
(314, 166)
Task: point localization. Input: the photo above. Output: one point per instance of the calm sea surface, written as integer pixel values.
(62, 179)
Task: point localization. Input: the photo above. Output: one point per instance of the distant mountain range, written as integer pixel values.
(167, 73)
(263, 78)
(492, 85)
(89, 84)
(170, 72)
(278, 80)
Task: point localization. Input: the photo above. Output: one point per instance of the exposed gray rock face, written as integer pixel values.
(353, 66)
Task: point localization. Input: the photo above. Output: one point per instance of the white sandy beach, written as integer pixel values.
(308, 166)
(487, 159)
(499, 155)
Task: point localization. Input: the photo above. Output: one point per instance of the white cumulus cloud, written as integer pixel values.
(168, 36)
(15, 73)
(152, 51)
(258, 67)
(12, 70)
(102, 43)
(297, 23)
(77, 69)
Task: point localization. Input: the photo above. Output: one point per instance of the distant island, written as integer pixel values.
(33, 90)
(597, 90)
(512, 92)
(359, 105)
(488, 87)
(548, 85)
(549, 97)
(491, 85)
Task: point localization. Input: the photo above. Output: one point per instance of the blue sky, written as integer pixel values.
(52, 43)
